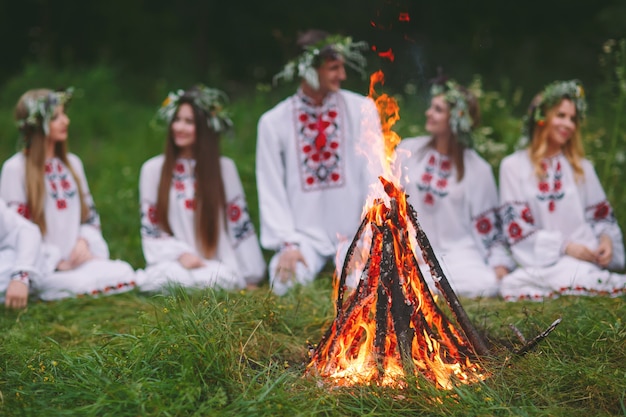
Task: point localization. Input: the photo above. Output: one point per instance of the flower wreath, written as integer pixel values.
(460, 120)
(307, 62)
(548, 98)
(210, 100)
(41, 109)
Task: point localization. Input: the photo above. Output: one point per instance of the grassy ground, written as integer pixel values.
(217, 353)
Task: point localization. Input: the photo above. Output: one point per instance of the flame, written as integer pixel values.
(389, 112)
(390, 325)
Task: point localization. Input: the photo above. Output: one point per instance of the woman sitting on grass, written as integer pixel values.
(454, 192)
(558, 222)
(195, 227)
(47, 185)
(20, 259)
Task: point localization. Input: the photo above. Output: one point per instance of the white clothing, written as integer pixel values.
(313, 176)
(238, 260)
(540, 217)
(459, 218)
(62, 211)
(20, 250)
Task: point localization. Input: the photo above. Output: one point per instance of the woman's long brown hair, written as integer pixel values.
(210, 196)
(35, 156)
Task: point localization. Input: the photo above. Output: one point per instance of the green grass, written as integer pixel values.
(211, 353)
(217, 353)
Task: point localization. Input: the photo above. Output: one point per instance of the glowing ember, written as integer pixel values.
(404, 17)
(388, 54)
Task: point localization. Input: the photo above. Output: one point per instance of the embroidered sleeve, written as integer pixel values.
(24, 238)
(243, 238)
(486, 227)
(21, 276)
(517, 222)
(599, 214)
(240, 225)
(13, 188)
(148, 220)
(93, 218)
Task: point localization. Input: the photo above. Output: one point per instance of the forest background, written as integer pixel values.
(238, 44)
(218, 353)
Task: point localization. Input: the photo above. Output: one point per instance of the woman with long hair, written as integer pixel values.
(47, 185)
(195, 227)
(557, 220)
(454, 193)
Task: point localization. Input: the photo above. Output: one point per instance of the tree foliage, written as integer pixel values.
(248, 42)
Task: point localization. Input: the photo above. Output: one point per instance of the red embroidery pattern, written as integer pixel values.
(23, 210)
(240, 224)
(184, 174)
(320, 144)
(152, 214)
(577, 290)
(61, 186)
(234, 212)
(483, 226)
(550, 187)
(488, 228)
(149, 221)
(517, 221)
(601, 212)
(435, 178)
(111, 289)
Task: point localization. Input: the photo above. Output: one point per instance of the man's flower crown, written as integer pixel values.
(41, 109)
(461, 122)
(307, 62)
(552, 95)
(210, 100)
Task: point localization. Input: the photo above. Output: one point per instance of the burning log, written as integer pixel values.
(444, 286)
(390, 326)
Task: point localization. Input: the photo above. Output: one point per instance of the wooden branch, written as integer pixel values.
(535, 341)
(478, 344)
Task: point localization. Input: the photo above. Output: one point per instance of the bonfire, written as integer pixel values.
(390, 326)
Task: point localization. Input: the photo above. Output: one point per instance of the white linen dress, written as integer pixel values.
(540, 217)
(62, 210)
(238, 260)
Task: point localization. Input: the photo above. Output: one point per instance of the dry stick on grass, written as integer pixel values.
(535, 341)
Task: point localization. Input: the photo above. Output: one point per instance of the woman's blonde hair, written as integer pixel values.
(573, 149)
(35, 156)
